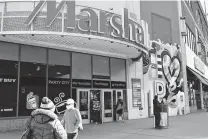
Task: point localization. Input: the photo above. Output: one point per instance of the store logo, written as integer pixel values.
(94, 22)
(7, 80)
(60, 103)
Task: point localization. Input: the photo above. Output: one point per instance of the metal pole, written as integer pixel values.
(183, 58)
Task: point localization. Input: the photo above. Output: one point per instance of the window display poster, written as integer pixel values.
(59, 92)
(32, 101)
(136, 92)
(32, 90)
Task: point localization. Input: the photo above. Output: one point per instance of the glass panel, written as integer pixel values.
(8, 88)
(161, 23)
(74, 96)
(84, 104)
(81, 66)
(33, 54)
(59, 71)
(95, 106)
(9, 51)
(108, 104)
(101, 66)
(118, 94)
(118, 68)
(32, 79)
(57, 57)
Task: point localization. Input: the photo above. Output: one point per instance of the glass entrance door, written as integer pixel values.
(95, 106)
(83, 96)
(107, 99)
(119, 94)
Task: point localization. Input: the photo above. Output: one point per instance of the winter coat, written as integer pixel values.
(44, 124)
(156, 104)
(72, 120)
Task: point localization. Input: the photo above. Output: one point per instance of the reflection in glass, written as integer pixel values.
(108, 104)
(8, 88)
(59, 71)
(84, 104)
(32, 86)
(58, 83)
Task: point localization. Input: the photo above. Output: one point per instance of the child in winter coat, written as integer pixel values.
(44, 123)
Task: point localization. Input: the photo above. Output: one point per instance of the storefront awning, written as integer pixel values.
(202, 79)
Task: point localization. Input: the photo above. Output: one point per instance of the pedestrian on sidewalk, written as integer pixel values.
(164, 114)
(119, 109)
(72, 120)
(44, 123)
(95, 106)
(156, 104)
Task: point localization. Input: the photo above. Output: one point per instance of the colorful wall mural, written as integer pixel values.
(167, 80)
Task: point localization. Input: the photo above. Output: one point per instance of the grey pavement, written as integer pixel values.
(192, 126)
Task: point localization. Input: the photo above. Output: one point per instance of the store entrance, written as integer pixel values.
(107, 99)
(83, 97)
(97, 106)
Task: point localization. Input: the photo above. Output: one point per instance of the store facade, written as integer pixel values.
(197, 80)
(63, 50)
(196, 53)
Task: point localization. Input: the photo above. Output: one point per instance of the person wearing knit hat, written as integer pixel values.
(47, 104)
(45, 123)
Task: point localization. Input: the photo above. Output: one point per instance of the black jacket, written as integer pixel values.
(156, 104)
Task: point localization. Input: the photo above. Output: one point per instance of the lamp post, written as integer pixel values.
(183, 34)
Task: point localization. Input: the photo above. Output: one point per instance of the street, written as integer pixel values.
(192, 126)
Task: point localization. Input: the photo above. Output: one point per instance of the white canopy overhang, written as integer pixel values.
(75, 44)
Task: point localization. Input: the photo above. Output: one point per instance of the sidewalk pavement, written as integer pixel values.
(192, 126)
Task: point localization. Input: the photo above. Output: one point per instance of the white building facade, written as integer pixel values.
(73, 50)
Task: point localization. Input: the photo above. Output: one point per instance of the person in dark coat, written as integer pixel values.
(44, 123)
(157, 110)
(120, 109)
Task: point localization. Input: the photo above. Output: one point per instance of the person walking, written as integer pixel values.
(119, 109)
(44, 123)
(72, 120)
(95, 105)
(156, 104)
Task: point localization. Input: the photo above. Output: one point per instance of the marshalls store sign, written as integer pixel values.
(92, 21)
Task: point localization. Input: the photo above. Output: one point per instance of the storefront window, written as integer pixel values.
(118, 67)
(59, 71)
(101, 66)
(32, 79)
(81, 66)
(8, 79)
